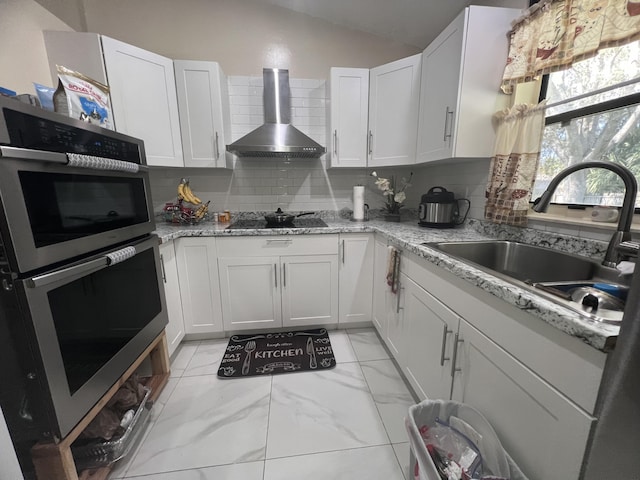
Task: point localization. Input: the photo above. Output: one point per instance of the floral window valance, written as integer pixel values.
(555, 33)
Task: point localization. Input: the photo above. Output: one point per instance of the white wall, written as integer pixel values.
(243, 36)
(23, 58)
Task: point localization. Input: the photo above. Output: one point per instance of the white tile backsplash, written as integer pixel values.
(306, 184)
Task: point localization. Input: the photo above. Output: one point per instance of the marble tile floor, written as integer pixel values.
(346, 423)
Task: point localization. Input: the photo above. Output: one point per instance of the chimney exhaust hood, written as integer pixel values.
(276, 137)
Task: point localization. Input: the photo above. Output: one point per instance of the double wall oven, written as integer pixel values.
(80, 292)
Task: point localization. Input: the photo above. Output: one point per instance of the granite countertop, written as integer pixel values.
(409, 236)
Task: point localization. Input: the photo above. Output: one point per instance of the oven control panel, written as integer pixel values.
(38, 133)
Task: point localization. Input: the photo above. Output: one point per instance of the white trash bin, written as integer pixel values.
(425, 414)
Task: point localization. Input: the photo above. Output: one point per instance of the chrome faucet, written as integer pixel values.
(623, 233)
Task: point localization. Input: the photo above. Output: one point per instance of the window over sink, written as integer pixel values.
(597, 117)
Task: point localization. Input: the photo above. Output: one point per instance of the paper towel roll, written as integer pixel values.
(358, 202)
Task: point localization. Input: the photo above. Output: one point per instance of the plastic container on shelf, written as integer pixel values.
(102, 454)
(425, 414)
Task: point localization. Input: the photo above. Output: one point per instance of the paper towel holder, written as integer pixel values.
(366, 215)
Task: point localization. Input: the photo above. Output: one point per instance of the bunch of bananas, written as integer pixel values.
(199, 209)
(185, 193)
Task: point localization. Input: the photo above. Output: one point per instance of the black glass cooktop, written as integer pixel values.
(297, 223)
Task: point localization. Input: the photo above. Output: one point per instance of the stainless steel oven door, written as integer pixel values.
(52, 212)
(91, 320)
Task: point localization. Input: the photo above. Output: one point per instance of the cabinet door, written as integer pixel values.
(349, 106)
(396, 337)
(393, 112)
(542, 430)
(175, 327)
(199, 284)
(429, 330)
(143, 97)
(441, 64)
(203, 106)
(380, 287)
(356, 278)
(250, 292)
(309, 290)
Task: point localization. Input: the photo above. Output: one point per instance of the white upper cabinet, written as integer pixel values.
(203, 105)
(348, 117)
(142, 85)
(461, 74)
(394, 95)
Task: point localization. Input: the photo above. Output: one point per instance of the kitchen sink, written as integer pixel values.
(565, 278)
(527, 263)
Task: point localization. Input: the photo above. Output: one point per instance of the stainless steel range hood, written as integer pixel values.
(277, 137)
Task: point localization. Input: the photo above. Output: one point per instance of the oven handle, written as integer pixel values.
(91, 266)
(92, 163)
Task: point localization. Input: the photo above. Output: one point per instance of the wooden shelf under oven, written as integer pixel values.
(54, 461)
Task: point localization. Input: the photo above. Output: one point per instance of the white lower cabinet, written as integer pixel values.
(296, 285)
(356, 278)
(454, 341)
(175, 328)
(199, 284)
(430, 327)
(396, 335)
(380, 287)
(309, 290)
(250, 292)
(544, 432)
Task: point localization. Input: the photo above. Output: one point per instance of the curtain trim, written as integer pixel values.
(563, 58)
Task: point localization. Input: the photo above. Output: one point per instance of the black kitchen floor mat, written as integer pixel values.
(280, 352)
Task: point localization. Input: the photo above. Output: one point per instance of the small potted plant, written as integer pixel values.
(394, 195)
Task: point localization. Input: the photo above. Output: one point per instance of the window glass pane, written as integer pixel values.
(612, 135)
(610, 67)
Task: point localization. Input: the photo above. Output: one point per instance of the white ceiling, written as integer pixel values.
(412, 22)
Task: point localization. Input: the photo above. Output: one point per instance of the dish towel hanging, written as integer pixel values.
(393, 268)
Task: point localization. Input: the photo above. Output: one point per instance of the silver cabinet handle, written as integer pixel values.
(217, 149)
(335, 142)
(279, 240)
(450, 124)
(370, 142)
(343, 252)
(398, 307)
(455, 356)
(445, 332)
(164, 274)
(284, 275)
(275, 274)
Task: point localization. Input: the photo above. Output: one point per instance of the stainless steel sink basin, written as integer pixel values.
(542, 270)
(526, 263)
